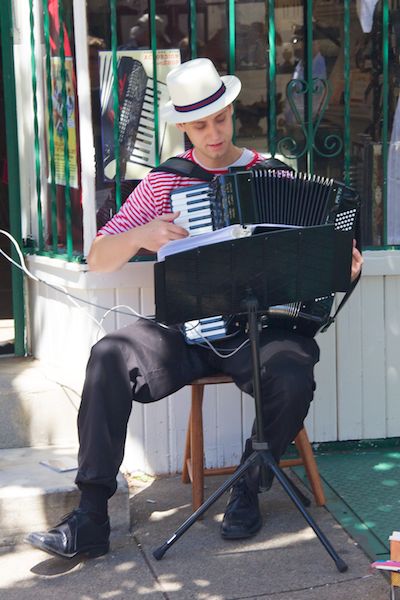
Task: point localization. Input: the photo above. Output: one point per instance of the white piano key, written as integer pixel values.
(189, 194)
(204, 204)
(144, 144)
(196, 221)
(212, 319)
(200, 204)
(145, 136)
(138, 154)
(149, 114)
(212, 335)
(209, 327)
(200, 230)
(192, 227)
(198, 214)
(146, 123)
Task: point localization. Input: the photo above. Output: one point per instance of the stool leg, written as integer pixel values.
(186, 456)
(197, 446)
(304, 448)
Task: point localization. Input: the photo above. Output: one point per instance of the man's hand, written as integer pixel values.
(356, 263)
(161, 230)
(110, 252)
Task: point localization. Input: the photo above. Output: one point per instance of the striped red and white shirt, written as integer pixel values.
(151, 198)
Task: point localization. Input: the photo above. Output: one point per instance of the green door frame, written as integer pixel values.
(14, 199)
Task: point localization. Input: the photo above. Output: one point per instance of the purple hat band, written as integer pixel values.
(206, 102)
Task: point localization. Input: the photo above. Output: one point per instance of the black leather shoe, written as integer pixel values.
(76, 534)
(242, 518)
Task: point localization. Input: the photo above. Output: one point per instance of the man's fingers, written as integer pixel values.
(175, 232)
(170, 216)
(357, 255)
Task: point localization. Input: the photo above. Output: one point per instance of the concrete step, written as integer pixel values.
(36, 410)
(34, 497)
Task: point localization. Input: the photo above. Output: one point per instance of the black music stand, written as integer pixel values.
(266, 269)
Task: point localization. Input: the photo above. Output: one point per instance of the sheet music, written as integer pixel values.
(213, 237)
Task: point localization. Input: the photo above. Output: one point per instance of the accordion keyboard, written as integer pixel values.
(211, 328)
(141, 147)
(136, 119)
(194, 204)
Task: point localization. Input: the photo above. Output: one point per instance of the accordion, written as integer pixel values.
(136, 115)
(266, 196)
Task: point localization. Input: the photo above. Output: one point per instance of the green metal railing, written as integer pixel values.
(54, 61)
(153, 44)
(309, 145)
(114, 43)
(272, 136)
(385, 108)
(305, 90)
(193, 28)
(36, 128)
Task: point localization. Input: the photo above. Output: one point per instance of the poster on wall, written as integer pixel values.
(137, 140)
(59, 123)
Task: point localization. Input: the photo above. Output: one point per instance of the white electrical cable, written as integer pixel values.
(132, 310)
(209, 344)
(24, 268)
(21, 266)
(75, 301)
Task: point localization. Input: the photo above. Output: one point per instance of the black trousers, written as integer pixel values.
(146, 362)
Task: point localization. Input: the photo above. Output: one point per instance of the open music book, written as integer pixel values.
(213, 237)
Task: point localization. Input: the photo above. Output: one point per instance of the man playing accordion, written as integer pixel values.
(146, 362)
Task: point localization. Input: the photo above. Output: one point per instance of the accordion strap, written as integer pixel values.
(188, 168)
(185, 167)
(273, 163)
(341, 304)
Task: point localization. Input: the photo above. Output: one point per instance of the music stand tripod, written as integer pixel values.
(330, 263)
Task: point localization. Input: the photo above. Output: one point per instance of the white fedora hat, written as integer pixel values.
(197, 91)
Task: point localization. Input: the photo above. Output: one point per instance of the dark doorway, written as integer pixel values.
(6, 305)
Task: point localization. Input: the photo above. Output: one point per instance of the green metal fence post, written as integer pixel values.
(308, 76)
(36, 128)
(272, 133)
(117, 151)
(385, 111)
(6, 34)
(346, 95)
(193, 28)
(153, 37)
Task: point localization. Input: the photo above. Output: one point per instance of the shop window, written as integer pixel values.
(141, 141)
(346, 125)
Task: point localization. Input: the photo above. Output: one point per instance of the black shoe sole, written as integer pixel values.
(241, 534)
(88, 551)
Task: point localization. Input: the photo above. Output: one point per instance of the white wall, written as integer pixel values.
(357, 378)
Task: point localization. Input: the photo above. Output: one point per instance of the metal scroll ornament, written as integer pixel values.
(296, 92)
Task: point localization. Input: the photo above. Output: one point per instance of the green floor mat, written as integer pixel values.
(362, 490)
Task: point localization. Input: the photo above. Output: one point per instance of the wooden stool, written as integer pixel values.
(193, 464)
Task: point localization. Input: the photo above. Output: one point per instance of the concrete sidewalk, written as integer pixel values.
(284, 561)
